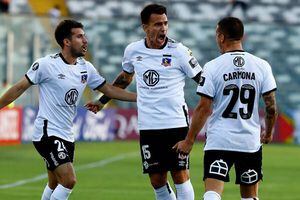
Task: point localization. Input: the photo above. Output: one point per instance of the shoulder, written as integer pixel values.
(135, 45)
(180, 48)
(262, 63)
(44, 62)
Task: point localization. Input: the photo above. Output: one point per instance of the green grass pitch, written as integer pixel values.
(112, 171)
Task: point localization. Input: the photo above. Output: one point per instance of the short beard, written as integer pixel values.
(75, 53)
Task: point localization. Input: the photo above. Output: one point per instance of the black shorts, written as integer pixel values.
(157, 153)
(248, 166)
(55, 151)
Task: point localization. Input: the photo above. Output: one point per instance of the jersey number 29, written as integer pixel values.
(246, 95)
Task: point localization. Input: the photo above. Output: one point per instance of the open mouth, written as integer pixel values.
(162, 37)
(84, 48)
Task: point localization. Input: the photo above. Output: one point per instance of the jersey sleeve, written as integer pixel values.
(127, 61)
(206, 86)
(188, 62)
(95, 80)
(37, 72)
(269, 83)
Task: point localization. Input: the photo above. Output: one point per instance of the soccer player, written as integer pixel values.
(231, 86)
(161, 65)
(61, 78)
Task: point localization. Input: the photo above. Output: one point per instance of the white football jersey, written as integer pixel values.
(235, 81)
(60, 88)
(160, 78)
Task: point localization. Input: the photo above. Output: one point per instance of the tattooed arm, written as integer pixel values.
(270, 116)
(122, 81)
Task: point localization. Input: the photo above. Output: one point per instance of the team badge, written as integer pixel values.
(193, 62)
(202, 81)
(166, 62)
(84, 78)
(35, 66)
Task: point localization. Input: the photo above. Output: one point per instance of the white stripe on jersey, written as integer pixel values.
(235, 81)
(160, 76)
(60, 88)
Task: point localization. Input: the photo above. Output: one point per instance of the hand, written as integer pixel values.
(183, 146)
(94, 107)
(265, 138)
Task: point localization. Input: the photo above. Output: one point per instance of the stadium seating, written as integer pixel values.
(112, 24)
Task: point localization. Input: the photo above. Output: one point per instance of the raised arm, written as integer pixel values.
(200, 115)
(14, 92)
(271, 113)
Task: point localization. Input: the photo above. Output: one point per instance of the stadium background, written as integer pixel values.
(272, 32)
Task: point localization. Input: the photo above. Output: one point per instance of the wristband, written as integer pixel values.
(104, 99)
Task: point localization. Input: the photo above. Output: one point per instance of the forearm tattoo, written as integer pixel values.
(271, 110)
(122, 81)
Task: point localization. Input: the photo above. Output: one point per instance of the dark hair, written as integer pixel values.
(64, 30)
(232, 28)
(152, 9)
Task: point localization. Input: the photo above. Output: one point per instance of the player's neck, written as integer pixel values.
(233, 47)
(68, 58)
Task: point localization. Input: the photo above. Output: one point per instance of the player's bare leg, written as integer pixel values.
(249, 191)
(162, 189)
(184, 188)
(213, 189)
(51, 185)
(66, 178)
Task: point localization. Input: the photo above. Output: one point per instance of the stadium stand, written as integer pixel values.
(272, 33)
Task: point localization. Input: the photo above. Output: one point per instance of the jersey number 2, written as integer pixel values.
(246, 95)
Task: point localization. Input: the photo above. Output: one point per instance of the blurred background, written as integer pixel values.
(272, 29)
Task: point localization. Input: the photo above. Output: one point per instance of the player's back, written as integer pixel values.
(235, 81)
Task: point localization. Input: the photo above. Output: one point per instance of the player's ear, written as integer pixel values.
(67, 42)
(145, 26)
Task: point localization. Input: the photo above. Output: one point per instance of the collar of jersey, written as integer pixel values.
(234, 51)
(63, 59)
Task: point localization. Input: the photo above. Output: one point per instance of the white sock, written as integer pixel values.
(60, 193)
(165, 193)
(211, 195)
(185, 191)
(47, 193)
(254, 198)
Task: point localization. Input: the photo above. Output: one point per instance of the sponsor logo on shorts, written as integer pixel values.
(53, 159)
(249, 177)
(147, 165)
(62, 155)
(219, 167)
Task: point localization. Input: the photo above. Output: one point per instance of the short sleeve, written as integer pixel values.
(269, 83)
(206, 86)
(37, 72)
(127, 61)
(188, 62)
(95, 80)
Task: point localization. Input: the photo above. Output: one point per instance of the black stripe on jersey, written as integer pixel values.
(268, 92)
(101, 85)
(197, 77)
(29, 79)
(45, 134)
(167, 55)
(205, 95)
(128, 72)
(186, 115)
(84, 72)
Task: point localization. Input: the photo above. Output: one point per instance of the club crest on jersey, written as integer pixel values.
(84, 78)
(166, 62)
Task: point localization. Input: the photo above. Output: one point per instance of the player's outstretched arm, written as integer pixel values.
(122, 81)
(200, 115)
(271, 113)
(14, 92)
